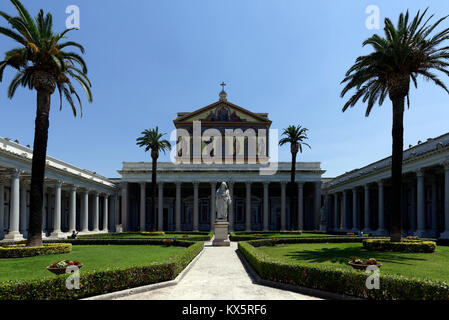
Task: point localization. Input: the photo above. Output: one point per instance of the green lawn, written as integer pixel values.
(433, 266)
(93, 257)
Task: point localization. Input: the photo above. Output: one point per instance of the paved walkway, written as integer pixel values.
(218, 275)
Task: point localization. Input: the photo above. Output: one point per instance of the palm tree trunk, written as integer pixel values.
(153, 193)
(292, 191)
(396, 169)
(38, 168)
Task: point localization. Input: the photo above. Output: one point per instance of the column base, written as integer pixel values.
(366, 231)
(85, 230)
(380, 232)
(355, 230)
(444, 235)
(420, 233)
(57, 234)
(14, 236)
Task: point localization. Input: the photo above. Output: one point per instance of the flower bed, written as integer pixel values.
(337, 280)
(101, 281)
(60, 267)
(21, 251)
(404, 246)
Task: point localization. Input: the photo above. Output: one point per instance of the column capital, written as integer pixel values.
(160, 183)
(213, 184)
(178, 184)
(15, 173)
(106, 195)
(74, 187)
(230, 183)
(300, 184)
(354, 190)
(445, 164)
(196, 183)
(380, 183)
(283, 183)
(58, 183)
(266, 183)
(142, 183)
(248, 183)
(366, 186)
(419, 172)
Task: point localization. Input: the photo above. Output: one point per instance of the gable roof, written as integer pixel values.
(187, 117)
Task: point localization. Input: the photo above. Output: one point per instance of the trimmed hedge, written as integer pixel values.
(198, 236)
(252, 235)
(100, 282)
(404, 246)
(21, 251)
(161, 241)
(271, 242)
(341, 281)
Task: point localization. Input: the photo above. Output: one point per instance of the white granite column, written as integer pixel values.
(44, 213)
(57, 213)
(248, 207)
(14, 209)
(317, 206)
(178, 206)
(445, 234)
(72, 209)
(300, 205)
(434, 209)
(213, 185)
(96, 215)
(336, 213)
(381, 229)
(85, 211)
(421, 218)
(124, 214)
(23, 208)
(195, 206)
(2, 208)
(160, 207)
(105, 212)
(367, 210)
(283, 205)
(231, 206)
(354, 210)
(143, 196)
(343, 214)
(266, 184)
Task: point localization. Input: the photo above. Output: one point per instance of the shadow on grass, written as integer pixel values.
(343, 255)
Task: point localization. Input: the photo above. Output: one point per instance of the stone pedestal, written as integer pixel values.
(221, 234)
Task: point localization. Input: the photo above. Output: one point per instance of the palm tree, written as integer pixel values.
(295, 135)
(42, 65)
(407, 51)
(151, 139)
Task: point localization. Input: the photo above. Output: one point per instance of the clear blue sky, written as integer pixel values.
(150, 59)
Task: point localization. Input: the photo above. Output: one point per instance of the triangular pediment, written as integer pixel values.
(220, 112)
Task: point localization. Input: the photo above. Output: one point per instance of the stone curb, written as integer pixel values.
(150, 287)
(290, 287)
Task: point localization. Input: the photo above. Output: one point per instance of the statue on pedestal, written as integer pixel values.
(222, 201)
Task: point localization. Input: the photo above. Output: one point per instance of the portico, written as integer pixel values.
(425, 194)
(74, 199)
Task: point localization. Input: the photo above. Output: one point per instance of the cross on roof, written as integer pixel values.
(223, 85)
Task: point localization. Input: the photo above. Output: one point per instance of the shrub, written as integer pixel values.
(175, 242)
(21, 251)
(153, 233)
(341, 281)
(100, 282)
(404, 246)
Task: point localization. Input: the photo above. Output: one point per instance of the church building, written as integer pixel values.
(232, 146)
